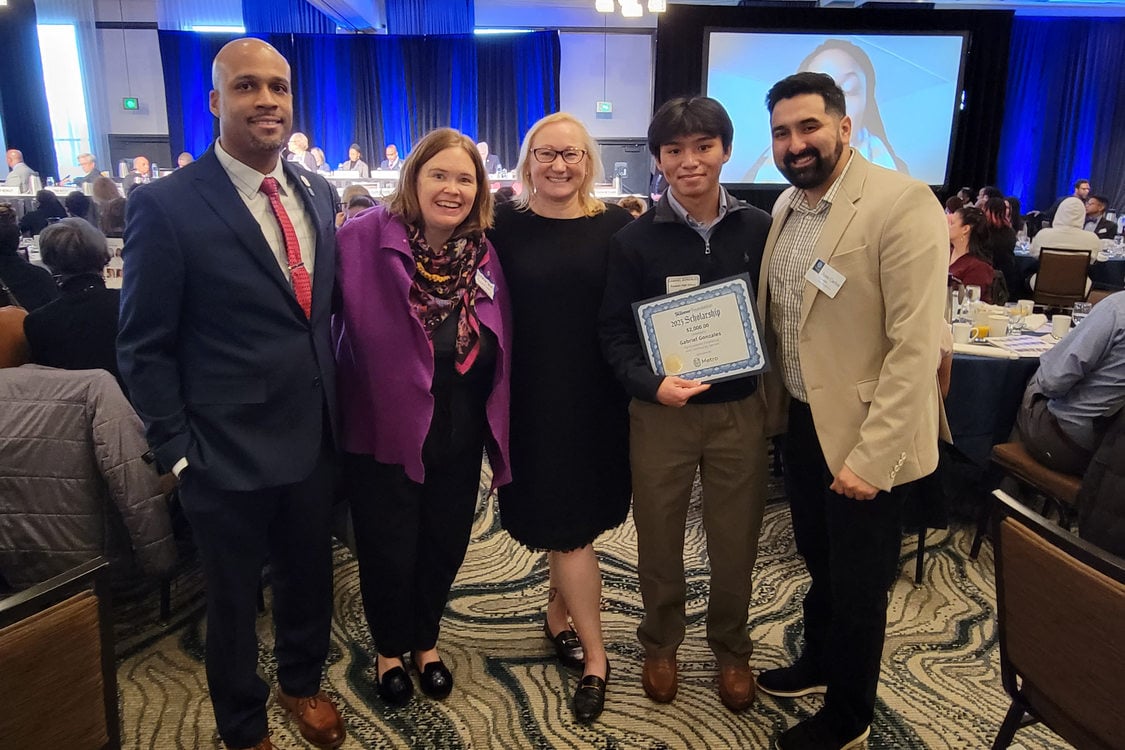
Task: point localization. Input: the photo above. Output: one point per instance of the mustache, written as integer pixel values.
(790, 159)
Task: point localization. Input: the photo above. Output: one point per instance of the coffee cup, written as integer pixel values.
(962, 332)
(1060, 324)
(997, 325)
(978, 332)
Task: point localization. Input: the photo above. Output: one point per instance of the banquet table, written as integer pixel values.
(984, 397)
(1104, 274)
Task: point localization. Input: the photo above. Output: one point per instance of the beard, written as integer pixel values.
(814, 174)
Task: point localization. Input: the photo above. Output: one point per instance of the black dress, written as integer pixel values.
(569, 415)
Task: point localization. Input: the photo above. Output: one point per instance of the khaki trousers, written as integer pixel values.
(727, 442)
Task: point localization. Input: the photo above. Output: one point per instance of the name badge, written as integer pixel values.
(485, 284)
(825, 278)
(673, 284)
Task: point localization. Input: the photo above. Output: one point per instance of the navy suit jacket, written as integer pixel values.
(221, 362)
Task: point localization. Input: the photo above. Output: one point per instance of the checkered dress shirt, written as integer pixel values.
(793, 255)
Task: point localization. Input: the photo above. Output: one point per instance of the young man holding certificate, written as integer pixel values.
(698, 233)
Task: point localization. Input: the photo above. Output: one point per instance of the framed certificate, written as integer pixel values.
(709, 333)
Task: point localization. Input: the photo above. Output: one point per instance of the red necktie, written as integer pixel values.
(298, 274)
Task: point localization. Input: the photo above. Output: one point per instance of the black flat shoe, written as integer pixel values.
(395, 687)
(589, 698)
(435, 680)
(567, 647)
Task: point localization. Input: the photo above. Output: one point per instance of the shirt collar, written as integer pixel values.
(799, 203)
(246, 179)
(686, 218)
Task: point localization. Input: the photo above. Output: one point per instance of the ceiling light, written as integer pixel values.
(657, 6)
(631, 9)
(603, 6)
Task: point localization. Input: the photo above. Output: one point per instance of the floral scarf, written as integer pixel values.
(445, 282)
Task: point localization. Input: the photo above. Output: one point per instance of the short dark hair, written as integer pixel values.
(820, 84)
(361, 201)
(1080, 183)
(78, 204)
(1100, 199)
(953, 203)
(9, 238)
(991, 192)
(687, 116)
(73, 246)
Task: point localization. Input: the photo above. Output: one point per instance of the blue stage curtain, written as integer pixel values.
(1063, 112)
(419, 17)
(23, 98)
(375, 90)
(285, 17)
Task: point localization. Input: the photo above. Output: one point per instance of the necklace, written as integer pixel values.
(436, 278)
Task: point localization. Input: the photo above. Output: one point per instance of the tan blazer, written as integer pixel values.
(869, 356)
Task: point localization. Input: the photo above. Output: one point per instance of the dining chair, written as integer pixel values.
(1060, 605)
(58, 676)
(1062, 277)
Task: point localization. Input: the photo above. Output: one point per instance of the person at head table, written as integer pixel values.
(392, 161)
(90, 171)
(184, 159)
(19, 174)
(299, 151)
(491, 161)
(141, 174)
(355, 162)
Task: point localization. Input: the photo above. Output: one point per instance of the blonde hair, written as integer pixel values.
(591, 206)
(404, 201)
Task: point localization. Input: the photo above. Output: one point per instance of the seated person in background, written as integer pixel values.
(1000, 242)
(986, 192)
(19, 174)
(47, 208)
(1081, 192)
(79, 205)
(78, 331)
(491, 161)
(1096, 221)
(392, 161)
(111, 218)
(141, 174)
(105, 190)
(1066, 233)
(503, 195)
(966, 195)
(634, 205)
(318, 157)
(299, 151)
(21, 283)
(967, 263)
(952, 203)
(358, 204)
(1079, 386)
(110, 498)
(89, 171)
(355, 162)
(184, 159)
(1014, 215)
(350, 192)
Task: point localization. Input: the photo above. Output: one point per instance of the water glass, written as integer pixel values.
(1015, 317)
(1119, 245)
(973, 292)
(1080, 311)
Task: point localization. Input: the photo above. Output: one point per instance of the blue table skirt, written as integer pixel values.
(984, 396)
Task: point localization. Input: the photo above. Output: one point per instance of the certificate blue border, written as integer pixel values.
(739, 286)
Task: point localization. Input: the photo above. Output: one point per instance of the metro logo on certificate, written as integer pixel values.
(709, 333)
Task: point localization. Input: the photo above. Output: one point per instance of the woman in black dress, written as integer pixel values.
(569, 419)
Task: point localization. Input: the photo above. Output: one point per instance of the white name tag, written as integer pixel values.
(673, 284)
(825, 278)
(485, 284)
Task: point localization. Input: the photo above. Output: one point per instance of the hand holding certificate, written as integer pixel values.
(709, 333)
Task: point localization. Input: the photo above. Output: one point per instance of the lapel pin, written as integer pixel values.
(307, 185)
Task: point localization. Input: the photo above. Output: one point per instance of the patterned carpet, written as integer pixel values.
(940, 687)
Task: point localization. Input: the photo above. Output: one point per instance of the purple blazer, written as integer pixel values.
(385, 361)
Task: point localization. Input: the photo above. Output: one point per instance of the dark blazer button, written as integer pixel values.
(316, 382)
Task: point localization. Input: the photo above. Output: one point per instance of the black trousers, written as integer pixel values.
(236, 533)
(851, 548)
(411, 539)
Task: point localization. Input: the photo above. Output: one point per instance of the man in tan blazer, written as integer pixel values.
(852, 290)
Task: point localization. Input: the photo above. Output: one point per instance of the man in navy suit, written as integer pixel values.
(224, 344)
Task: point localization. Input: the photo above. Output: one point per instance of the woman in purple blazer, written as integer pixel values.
(423, 346)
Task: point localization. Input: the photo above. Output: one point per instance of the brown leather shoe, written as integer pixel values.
(736, 686)
(658, 677)
(316, 717)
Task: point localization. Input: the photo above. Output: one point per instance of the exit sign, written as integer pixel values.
(604, 108)
(131, 103)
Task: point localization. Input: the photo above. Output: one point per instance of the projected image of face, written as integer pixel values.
(847, 74)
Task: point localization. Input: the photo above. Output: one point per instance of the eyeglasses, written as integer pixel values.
(548, 155)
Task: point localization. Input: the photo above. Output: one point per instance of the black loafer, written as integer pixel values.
(395, 687)
(567, 647)
(436, 680)
(589, 698)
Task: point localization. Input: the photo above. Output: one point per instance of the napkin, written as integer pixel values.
(1035, 321)
(984, 350)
